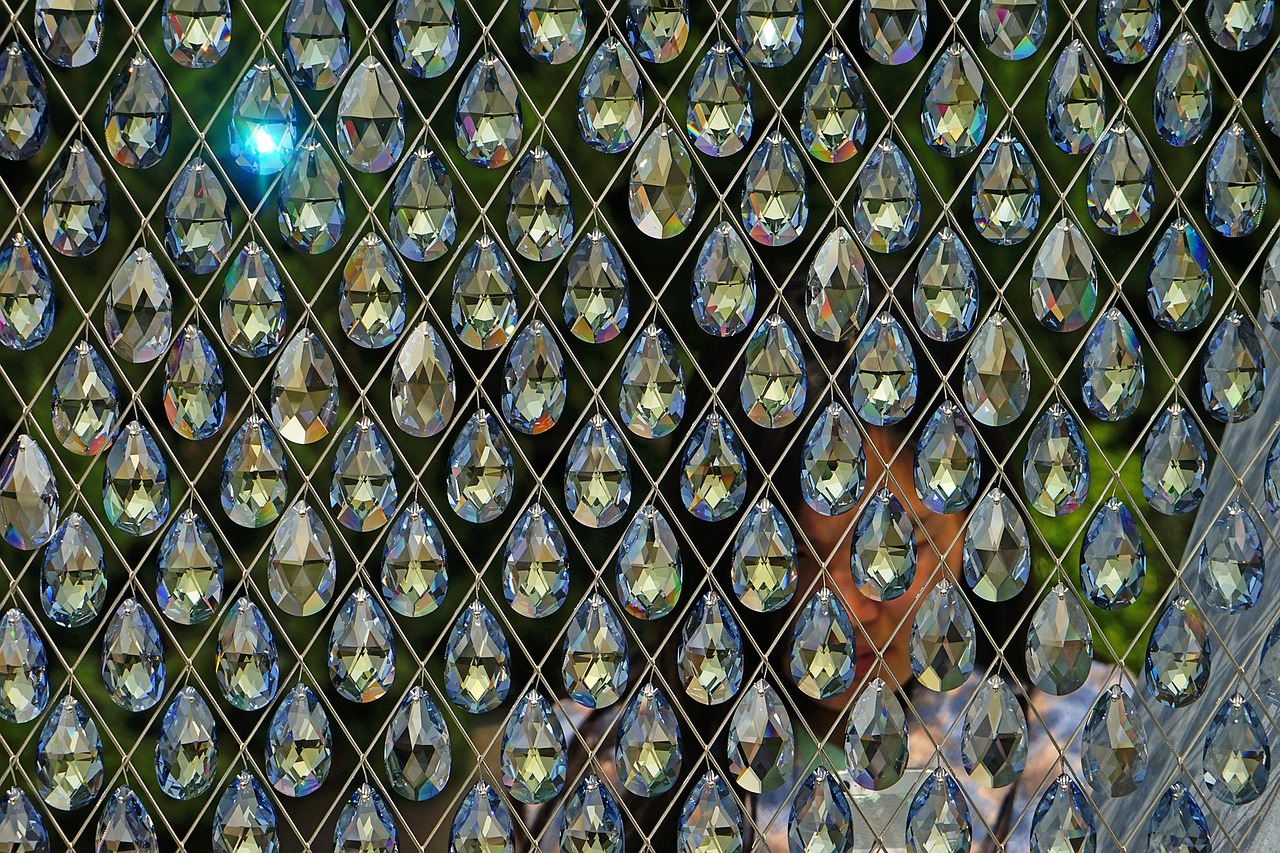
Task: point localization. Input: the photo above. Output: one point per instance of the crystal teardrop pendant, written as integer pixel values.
(362, 652)
(875, 738)
(415, 575)
(1120, 189)
(423, 393)
(775, 204)
(833, 119)
(535, 572)
(1012, 29)
(719, 117)
(1128, 30)
(648, 744)
(371, 298)
(997, 548)
(28, 494)
(301, 568)
(246, 660)
(255, 475)
(1064, 279)
(135, 486)
(299, 750)
(138, 115)
(552, 31)
(594, 666)
(86, 405)
(197, 33)
(662, 194)
(884, 382)
(1059, 643)
(651, 394)
(197, 226)
(1178, 823)
(73, 580)
(761, 744)
(137, 316)
(1006, 192)
(370, 131)
(820, 813)
(948, 464)
(724, 283)
(597, 299)
(477, 664)
(539, 207)
(187, 747)
(125, 824)
(484, 312)
(945, 299)
(1180, 278)
(425, 36)
(590, 819)
(711, 820)
(1055, 470)
(481, 470)
(1235, 187)
(1075, 109)
(649, 578)
(417, 748)
(1174, 462)
(133, 667)
(262, 130)
(892, 31)
(1239, 24)
(69, 32)
(365, 822)
(195, 398)
(487, 123)
(657, 29)
(1184, 95)
(21, 822)
(774, 384)
(1114, 745)
(1113, 558)
(769, 31)
(882, 555)
(713, 481)
(24, 104)
(997, 380)
(597, 475)
(764, 559)
(68, 764)
(953, 113)
(833, 467)
(76, 205)
(1233, 370)
(1231, 561)
(534, 751)
(821, 653)
(1112, 377)
(610, 99)
(1064, 819)
(363, 492)
(993, 741)
(315, 42)
(422, 216)
(943, 643)
(482, 822)
(938, 818)
(710, 652)
(1237, 753)
(836, 306)
(886, 205)
(1179, 655)
(24, 669)
(252, 312)
(189, 574)
(310, 204)
(304, 389)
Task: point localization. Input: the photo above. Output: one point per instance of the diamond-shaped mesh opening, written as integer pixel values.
(818, 797)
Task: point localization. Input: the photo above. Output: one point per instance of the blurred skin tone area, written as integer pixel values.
(883, 628)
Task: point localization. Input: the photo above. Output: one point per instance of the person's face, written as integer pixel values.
(883, 628)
